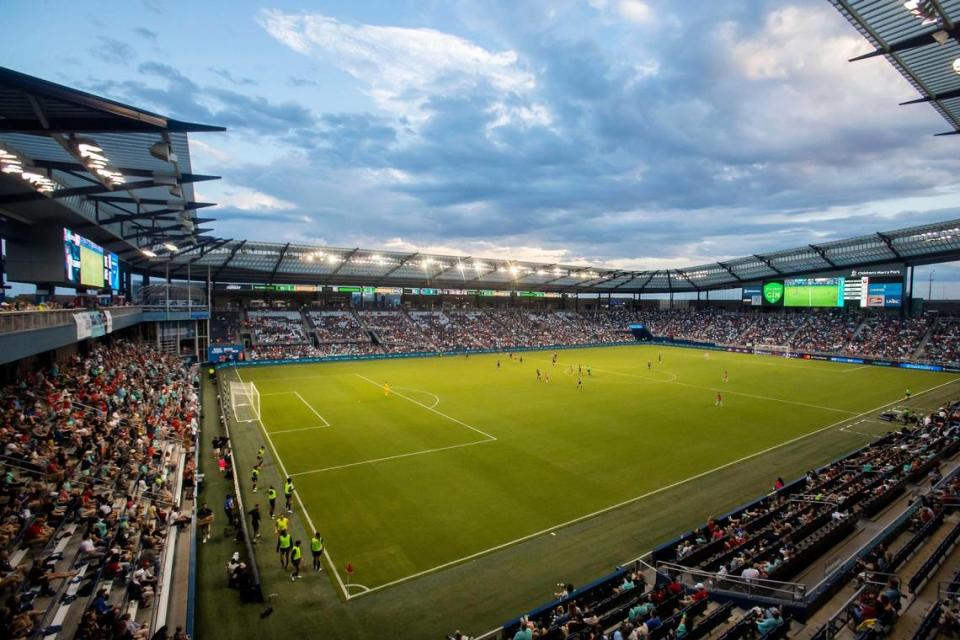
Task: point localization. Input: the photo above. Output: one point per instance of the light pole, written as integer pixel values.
(930, 285)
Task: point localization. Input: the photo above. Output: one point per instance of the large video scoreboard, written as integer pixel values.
(880, 287)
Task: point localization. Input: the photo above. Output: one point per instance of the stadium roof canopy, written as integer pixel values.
(921, 39)
(114, 173)
(248, 261)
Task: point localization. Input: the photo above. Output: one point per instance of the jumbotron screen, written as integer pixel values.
(813, 292)
(87, 264)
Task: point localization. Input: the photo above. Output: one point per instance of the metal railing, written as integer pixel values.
(786, 592)
(13, 321)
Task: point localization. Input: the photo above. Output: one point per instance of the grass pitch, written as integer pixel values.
(463, 458)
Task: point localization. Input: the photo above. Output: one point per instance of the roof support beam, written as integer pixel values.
(98, 125)
(647, 281)
(283, 252)
(92, 190)
(400, 264)
(767, 262)
(346, 259)
(727, 268)
(889, 243)
(228, 260)
(823, 255)
(683, 274)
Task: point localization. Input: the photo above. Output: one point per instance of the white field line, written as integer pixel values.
(357, 585)
(439, 413)
(865, 366)
(322, 426)
(384, 459)
(720, 389)
(306, 514)
(310, 406)
(640, 497)
(436, 398)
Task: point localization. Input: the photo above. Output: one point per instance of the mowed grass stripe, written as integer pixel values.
(560, 453)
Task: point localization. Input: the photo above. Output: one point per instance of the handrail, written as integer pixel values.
(789, 592)
(15, 321)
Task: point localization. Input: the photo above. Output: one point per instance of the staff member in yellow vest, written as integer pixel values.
(316, 548)
(272, 498)
(288, 494)
(295, 555)
(255, 477)
(283, 546)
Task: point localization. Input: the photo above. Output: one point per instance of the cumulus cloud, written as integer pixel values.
(400, 67)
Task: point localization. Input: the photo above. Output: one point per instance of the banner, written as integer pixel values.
(225, 353)
(93, 324)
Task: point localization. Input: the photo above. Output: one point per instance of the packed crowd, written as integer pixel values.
(92, 456)
(337, 326)
(847, 333)
(276, 327)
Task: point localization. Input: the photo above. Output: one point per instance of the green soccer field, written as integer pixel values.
(463, 458)
(813, 296)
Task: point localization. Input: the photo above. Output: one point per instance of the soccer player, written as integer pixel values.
(262, 450)
(386, 389)
(316, 548)
(288, 494)
(283, 548)
(546, 378)
(272, 499)
(498, 363)
(706, 356)
(579, 369)
(554, 361)
(539, 379)
(908, 393)
(659, 357)
(726, 376)
(521, 359)
(649, 365)
(589, 372)
(579, 383)
(295, 555)
(254, 477)
(255, 521)
(719, 401)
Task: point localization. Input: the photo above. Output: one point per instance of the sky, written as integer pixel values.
(623, 133)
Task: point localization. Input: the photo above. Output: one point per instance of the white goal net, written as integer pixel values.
(778, 349)
(245, 401)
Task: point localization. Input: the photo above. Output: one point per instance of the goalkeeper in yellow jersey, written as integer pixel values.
(386, 389)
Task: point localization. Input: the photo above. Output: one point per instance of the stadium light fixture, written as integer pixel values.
(148, 253)
(96, 162)
(169, 246)
(956, 66)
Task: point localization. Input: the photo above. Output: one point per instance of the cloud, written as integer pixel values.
(147, 34)
(179, 96)
(231, 78)
(246, 199)
(635, 11)
(297, 81)
(401, 68)
(112, 51)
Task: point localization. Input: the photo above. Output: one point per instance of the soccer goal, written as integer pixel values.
(775, 349)
(245, 401)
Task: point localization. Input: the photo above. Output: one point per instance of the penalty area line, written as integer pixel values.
(384, 459)
(428, 408)
(648, 494)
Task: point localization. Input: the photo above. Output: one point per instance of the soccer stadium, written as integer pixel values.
(600, 320)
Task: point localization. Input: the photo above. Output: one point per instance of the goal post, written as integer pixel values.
(774, 349)
(245, 401)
